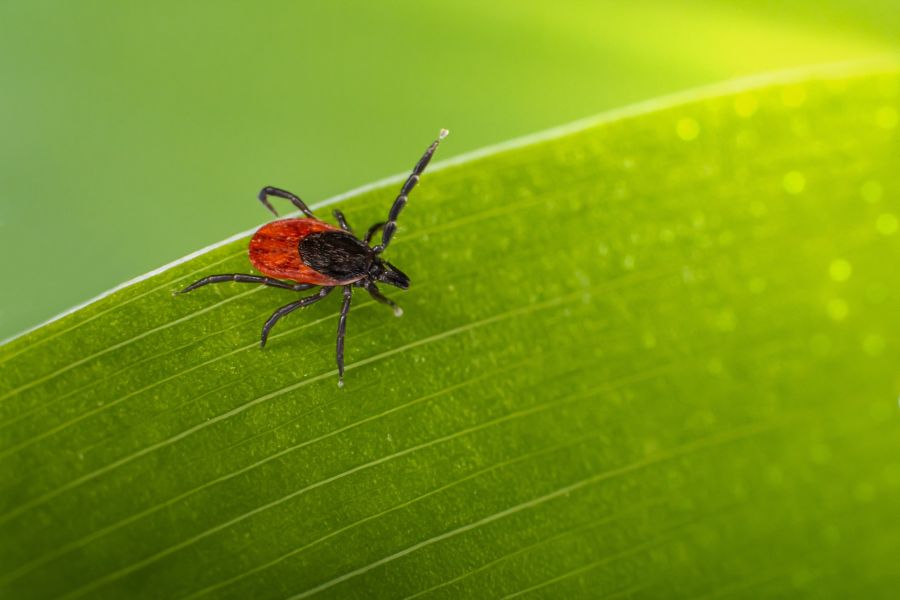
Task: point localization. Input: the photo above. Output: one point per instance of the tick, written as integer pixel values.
(302, 253)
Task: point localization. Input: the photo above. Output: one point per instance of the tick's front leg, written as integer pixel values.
(376, 293)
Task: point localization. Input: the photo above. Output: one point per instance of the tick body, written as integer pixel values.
(303, 253)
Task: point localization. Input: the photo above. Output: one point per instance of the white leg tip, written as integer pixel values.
(341, 382)
(444, 133)
(398, 312)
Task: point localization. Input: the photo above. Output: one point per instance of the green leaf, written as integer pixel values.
(654, 354)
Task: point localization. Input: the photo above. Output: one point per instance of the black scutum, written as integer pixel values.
(335, 254)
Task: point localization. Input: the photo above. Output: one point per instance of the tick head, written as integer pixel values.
(386, 272)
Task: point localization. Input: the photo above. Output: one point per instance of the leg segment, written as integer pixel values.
(342, 221)
(274, 191)
(372, 231)
(241, 278)
(342, 328)
(289, 308)
(376, 293)
(391, 226)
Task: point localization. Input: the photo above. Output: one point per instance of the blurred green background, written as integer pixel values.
(134, 133)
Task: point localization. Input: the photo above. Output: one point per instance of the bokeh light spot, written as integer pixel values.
(840, 270)
(746, 105)
(687, 129)
(793, 96)
(887, 224)
(794, 182)
(886, 117)
(871, 191)
(838, 309)
(873, 345)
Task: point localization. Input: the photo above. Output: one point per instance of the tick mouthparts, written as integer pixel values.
(394, 276)
(396, 279)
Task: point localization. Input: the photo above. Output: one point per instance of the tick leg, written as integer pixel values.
(342, 328)
(391, 225)
(289, 308)
(376, 293)
(274, 191)
(342, 221)
(242, 278)
(372, 231)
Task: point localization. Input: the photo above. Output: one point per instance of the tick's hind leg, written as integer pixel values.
(376, 293)
(289, 308)
(242, 278)
(295, 200)
(342, 329)
(342, 221)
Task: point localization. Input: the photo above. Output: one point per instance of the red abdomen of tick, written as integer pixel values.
(274, 250)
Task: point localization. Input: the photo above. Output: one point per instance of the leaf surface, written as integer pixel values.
(652, 354)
